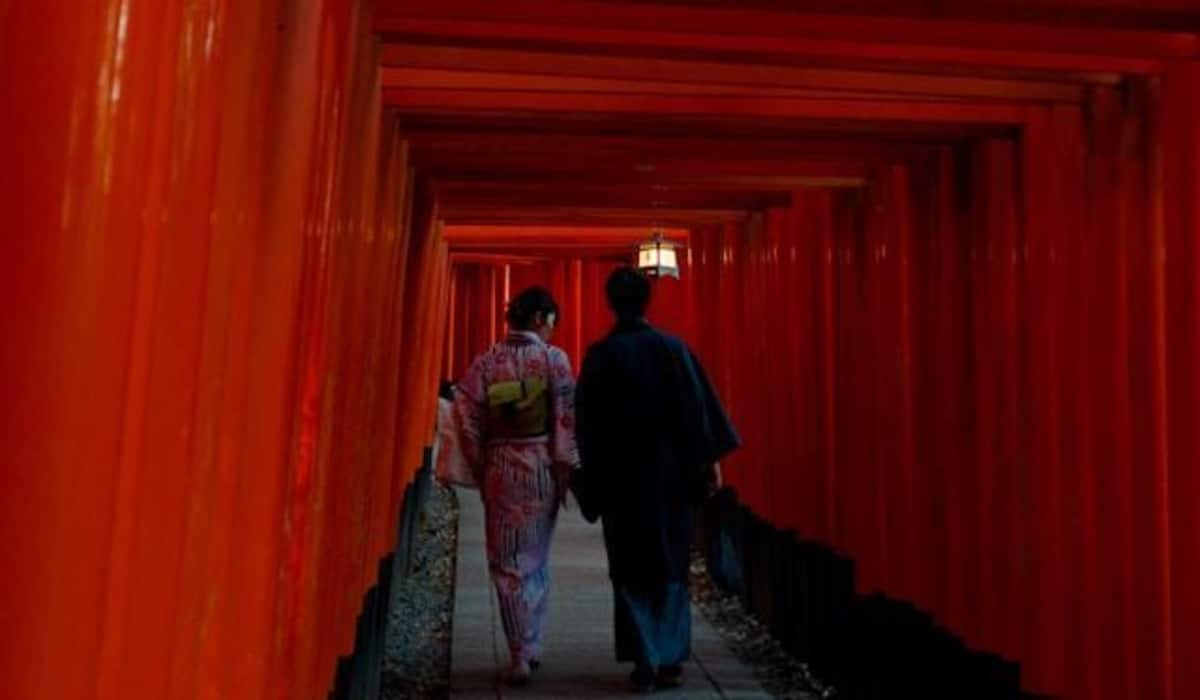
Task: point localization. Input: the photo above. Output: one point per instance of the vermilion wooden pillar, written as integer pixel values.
(1008, 386)
(224, 298)
(1180, 146)
(206, 242)
(576, 283)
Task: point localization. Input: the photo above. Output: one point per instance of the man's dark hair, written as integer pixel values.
(525, 306)
(628, 292)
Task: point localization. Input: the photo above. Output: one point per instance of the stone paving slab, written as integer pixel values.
(579, 657)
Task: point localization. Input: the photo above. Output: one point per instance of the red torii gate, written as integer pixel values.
(226, 296)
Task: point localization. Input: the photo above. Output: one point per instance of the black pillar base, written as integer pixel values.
(865, 646)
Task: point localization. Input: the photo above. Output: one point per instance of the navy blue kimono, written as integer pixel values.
(648, 423)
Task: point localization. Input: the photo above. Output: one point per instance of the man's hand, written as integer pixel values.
(562, 485)
(712, 479)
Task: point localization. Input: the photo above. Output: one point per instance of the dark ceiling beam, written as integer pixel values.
(1098, 67)
(597, 235)
(450, 201)
(423, 66)
(528, 138)
(465, 101)
(423, 78)
(590, 216)
(532, 255)
(1157, 15)
(729, 182)
(583, 152)
(767, 182)
(744, 128)
(766, 24)
(1034, 66)
(583, 168)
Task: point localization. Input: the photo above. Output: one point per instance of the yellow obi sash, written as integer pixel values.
(518, 409)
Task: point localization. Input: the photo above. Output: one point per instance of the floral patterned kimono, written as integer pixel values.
(522, 478)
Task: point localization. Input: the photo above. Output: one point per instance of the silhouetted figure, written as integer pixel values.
(650, 431)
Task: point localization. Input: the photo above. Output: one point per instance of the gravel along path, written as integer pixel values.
(780, 674)
(417, 664)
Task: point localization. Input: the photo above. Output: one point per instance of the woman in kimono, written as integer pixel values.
(516, 418)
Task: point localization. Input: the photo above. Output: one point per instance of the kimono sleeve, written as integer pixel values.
(586, 482)
(713, 431)
(563, 448)
(590, 411)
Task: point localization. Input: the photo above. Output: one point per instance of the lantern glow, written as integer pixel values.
(657, 257)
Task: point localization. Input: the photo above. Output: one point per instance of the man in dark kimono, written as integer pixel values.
(650, 430)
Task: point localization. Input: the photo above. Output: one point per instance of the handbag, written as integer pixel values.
(451, 465)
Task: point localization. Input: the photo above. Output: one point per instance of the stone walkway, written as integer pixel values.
(579, 660)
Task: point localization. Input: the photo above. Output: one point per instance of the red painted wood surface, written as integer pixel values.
(975, 373)
(222, 299)
(982, 384)
(482, 292)
(491, 264)
(942, 265)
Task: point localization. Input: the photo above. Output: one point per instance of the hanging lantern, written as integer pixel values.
(658, 257)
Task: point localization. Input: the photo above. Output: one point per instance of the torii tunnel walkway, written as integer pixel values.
(578, 662)
(940, 260)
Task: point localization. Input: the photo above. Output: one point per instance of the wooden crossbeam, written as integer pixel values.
(614, 196)
(529, 137)
(480, 80)
(644, 169)
(415, 65)
(512, 101)
(549, 241)
(764, 24)
(850, 176)
(594, 216)
(746, 128)
(1090, 67)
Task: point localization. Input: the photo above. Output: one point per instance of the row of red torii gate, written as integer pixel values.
(940, 259)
